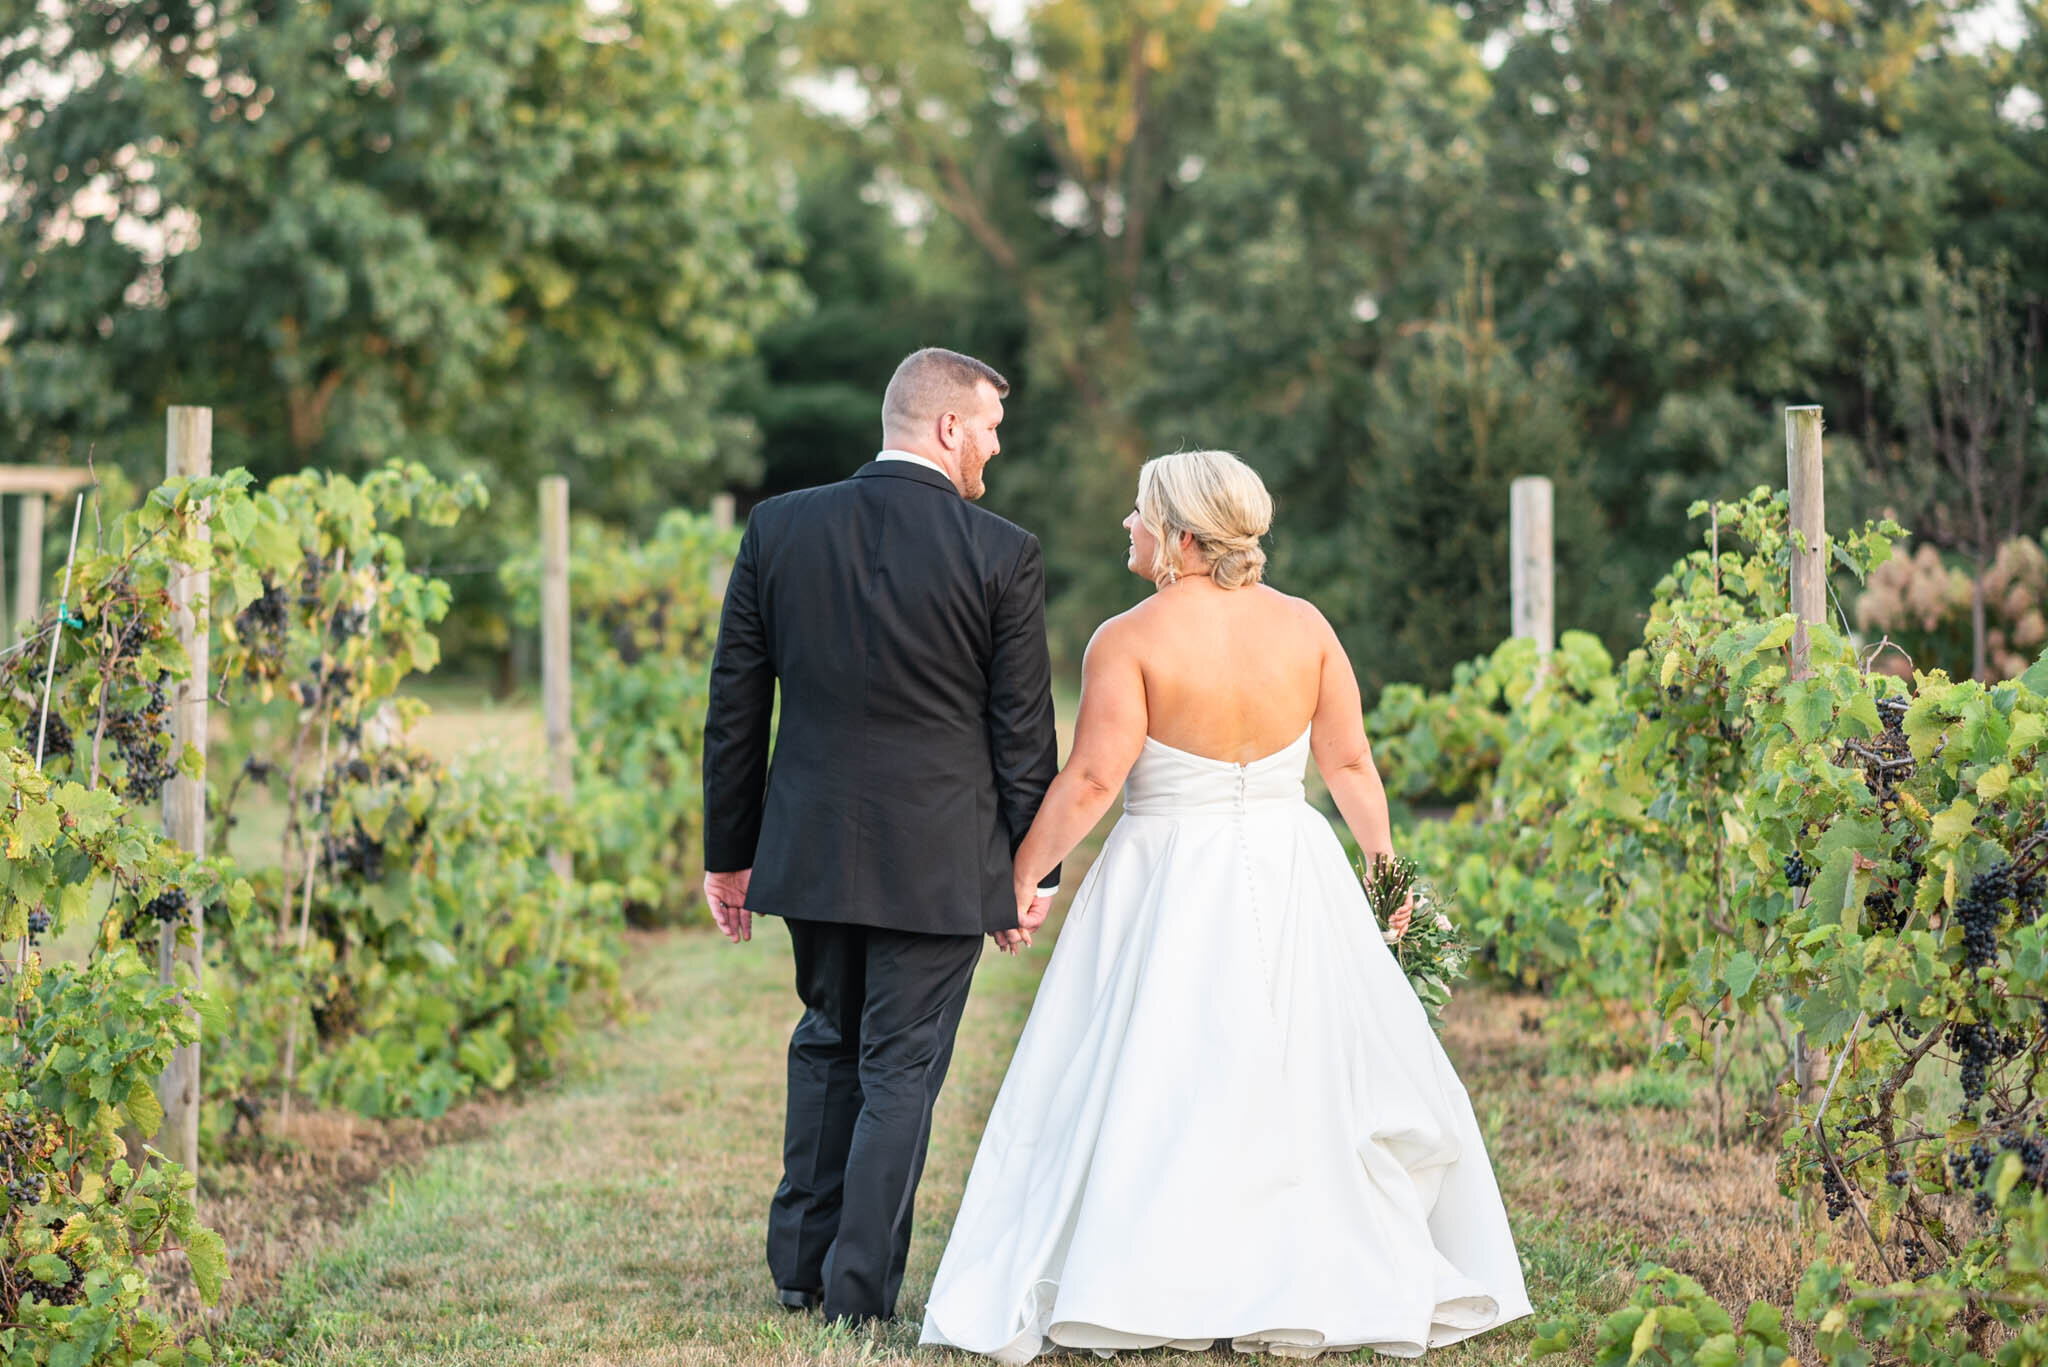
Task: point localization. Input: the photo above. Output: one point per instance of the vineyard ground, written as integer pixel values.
(281, 1199)
(617, 1218)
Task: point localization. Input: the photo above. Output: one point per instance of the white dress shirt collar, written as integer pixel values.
(925, 461)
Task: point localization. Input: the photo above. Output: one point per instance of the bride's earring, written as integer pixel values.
(1172, 578)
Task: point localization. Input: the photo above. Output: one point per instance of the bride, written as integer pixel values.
(1228, 1117)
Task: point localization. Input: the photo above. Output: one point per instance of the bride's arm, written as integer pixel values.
(1344, 755)
(1107, 738)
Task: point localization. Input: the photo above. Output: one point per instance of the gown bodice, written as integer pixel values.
(1169, 782)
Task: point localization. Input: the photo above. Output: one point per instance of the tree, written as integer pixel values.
(814, 389)
(516, 237)
(1969, 462)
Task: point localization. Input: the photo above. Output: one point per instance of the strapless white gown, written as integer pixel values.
(1228, 1117)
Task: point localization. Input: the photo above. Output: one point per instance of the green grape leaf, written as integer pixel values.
(1862, 709)
(208, 1255)
(1809, 708)
(2029, 729)
(1718, 1351)
(1645, 1337)
(143, 1110)
(1954, 822)
(1831, 886)
(35, 826)
(2036, 677)
(1924, 724)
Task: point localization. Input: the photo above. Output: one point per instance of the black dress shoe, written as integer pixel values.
(794, 1299)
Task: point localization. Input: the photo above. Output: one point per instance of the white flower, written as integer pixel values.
(1391, 936)
(1443, 923)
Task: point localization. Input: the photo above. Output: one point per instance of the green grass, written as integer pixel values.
(618, 1217)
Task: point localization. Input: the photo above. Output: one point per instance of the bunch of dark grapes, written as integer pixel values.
(325, 682)
(2027, 897)
(263, 627)
(57, 739)
(2033, 1153)
(357, 854)
(69, 1292)
(1836, 1193)
(1797, 872)
(1897, 1013)
(1978, 1045)
(268, 615)
(21, 1145)
(1881, 911)
(1969, 1168)
(347, 622)
(38, 924)
(145, 750)
(167, 909)
(1980, 911)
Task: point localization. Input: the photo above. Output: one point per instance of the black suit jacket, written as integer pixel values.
(906, 627)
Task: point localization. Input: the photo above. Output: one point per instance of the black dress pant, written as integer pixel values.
(865, 1066)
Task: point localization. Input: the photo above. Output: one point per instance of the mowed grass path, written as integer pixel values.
(618, 1217)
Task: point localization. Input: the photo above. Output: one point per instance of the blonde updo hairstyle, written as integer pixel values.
(1216, 498)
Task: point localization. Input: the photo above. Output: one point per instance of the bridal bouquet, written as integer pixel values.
(1432, 952)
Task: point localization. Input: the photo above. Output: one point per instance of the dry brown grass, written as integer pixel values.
(1643, 1176)
(286, 1199)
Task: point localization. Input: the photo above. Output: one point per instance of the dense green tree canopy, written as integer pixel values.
(1395, 252)
(517, 237)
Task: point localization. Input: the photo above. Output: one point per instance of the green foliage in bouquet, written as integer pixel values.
(1432, 951)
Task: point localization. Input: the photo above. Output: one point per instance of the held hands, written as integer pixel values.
(1032, 910)
(727, 894)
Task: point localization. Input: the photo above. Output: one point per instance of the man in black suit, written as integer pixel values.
(906, 628)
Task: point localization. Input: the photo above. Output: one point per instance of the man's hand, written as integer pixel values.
(1030, 916)
(727, 894)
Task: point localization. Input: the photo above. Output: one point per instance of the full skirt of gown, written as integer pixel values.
(1227, 1117)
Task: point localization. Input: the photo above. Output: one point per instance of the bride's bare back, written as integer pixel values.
(1229, 674)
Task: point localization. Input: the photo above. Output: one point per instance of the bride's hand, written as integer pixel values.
(1403, 914)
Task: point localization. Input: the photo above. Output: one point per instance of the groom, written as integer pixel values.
(915, 741)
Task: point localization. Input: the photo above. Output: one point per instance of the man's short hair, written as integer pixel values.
(932, 381)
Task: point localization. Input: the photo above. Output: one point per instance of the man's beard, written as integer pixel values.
(972, 462)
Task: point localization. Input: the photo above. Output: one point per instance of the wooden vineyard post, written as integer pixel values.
(189, 452)
(1533, 581)
(554, 646)
(28, 564)
(1809, 605)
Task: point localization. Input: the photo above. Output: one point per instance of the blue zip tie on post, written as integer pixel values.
(71, 619)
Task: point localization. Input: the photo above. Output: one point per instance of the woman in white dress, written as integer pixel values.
(1228, 1117)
